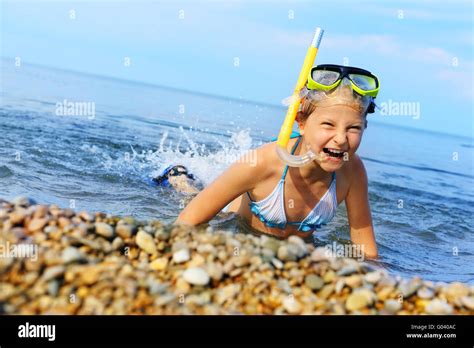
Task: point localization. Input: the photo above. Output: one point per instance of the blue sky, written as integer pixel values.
(421, 50)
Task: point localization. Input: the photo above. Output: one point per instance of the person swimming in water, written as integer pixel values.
(178, 177)
(282, 200)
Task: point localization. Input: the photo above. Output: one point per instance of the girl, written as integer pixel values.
(282, 201)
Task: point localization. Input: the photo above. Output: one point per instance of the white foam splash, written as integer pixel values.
(205, 163)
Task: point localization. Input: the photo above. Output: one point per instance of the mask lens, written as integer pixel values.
(325, 77)
(364, 82)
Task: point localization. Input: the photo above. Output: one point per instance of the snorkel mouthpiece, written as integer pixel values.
(287, 127)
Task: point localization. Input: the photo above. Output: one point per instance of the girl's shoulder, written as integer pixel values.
(353, 173)
(269, 154)
(268, 160)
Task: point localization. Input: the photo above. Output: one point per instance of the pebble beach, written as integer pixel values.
(59, 261)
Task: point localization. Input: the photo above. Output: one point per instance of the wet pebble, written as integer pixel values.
(359, 299)
(314, 282)
(347, 270)
(181, 256)
(72, 254)
(425, 293)
(146, 242)
(408, 288)
(196, 276)
(439, 307)
(392, 306)
(104, 230)
(373, 277)
(37, 224)
(468, 302)
(124, 230)
(53, 272)
(159, 264)
(288, 252)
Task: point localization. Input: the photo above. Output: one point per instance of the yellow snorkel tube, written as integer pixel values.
(287, 127)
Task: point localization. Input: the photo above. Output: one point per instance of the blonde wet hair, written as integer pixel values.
(342, 95)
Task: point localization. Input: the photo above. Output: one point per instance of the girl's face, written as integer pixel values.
(337, 127)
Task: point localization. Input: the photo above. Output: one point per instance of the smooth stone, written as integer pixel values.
(277, 263)
(353, 281)
(162, 235)
(241, 260)
(159, 264)
(37, 224)
(164, 299)
(425, 293)
(148, 229)
(17, 216)
(288, 252)
(314, 282)
(326, 291)
(291, 305)
(181, 245)
(227, 292)
(215, 271)
(182, 286)
(124, 230)
(339, 286)
(181, 256)
(196, 276)
(53, 288)
(272, 244)
(284, 285)
(104, 230)
(359, 299)
(117, 243)
(456, 290)
(356, 301)
(329, 276)
(300, 244)
(72, 254)
(84, 215)
(50, 229)
(387, 281)
(392, 306)
(267, 255)
(90, 275)
(409, 288)
(146, 242)
(373, 277)
(40, 211)
(63, 222)
(347, 270)
(438, 306)
(384, 293)
(155, 287)
(130, 220)
(53, 272)
(468, 302)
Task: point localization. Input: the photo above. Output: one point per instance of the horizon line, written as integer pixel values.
(212, 95)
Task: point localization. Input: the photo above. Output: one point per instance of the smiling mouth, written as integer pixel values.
(333, 152)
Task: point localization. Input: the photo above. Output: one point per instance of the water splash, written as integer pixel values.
(205, 161)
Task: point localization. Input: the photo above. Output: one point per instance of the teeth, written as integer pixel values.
(335, 151)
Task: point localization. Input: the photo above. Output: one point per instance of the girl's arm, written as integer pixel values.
(358, 210)
(237, 179)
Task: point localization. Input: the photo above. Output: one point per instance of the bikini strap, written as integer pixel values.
(292, 152)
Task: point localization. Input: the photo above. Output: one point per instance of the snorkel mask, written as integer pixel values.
(326, 85)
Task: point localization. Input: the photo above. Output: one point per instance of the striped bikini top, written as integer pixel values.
(271, 210)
